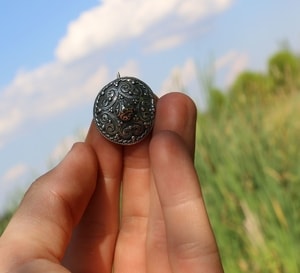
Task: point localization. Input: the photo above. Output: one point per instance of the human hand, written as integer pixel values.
(71, 219)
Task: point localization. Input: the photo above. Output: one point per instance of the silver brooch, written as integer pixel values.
(124, 110)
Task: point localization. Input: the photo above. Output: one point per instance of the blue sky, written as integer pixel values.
(56, 55)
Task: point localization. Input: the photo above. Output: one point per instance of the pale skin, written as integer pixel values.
(71, 220)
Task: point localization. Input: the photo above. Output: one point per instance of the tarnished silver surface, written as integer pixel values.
(124, 110)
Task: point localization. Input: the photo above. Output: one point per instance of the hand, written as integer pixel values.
(71, 219)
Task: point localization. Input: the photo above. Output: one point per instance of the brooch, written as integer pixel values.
(124, 110)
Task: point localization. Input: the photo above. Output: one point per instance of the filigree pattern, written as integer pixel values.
(124, 110)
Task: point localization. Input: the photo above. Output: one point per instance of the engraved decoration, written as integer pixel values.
(124, 110)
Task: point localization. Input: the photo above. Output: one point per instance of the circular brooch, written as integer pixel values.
(124, 110)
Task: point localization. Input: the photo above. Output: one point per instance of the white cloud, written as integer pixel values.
(185, 78)
(188, 77)
(233, 63)
(8, 123)
(46, 91)
(12, 184)
(62, 148)
(180, 77)
(226, 59)
(192, 10)
(113, 22)
(237, 67)
(165, 43)
(130, 68)
(14, 173)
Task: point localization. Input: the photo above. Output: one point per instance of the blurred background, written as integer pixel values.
(238, 60)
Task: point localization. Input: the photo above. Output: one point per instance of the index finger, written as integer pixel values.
(53, 205)
(93, 241)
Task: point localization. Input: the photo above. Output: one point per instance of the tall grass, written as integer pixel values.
(248, 160)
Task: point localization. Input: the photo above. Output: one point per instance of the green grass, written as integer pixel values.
(248, 160)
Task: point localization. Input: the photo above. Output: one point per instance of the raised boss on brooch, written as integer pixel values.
(124, 110)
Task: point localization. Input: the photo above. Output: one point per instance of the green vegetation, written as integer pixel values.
(5, 219)
(248, 159)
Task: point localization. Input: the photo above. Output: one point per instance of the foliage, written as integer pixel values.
(5, 219)
(284, 69)
(250, 87)
(248, 163)
(216, 101)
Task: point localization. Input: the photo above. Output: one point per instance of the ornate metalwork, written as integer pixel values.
(124, 110)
